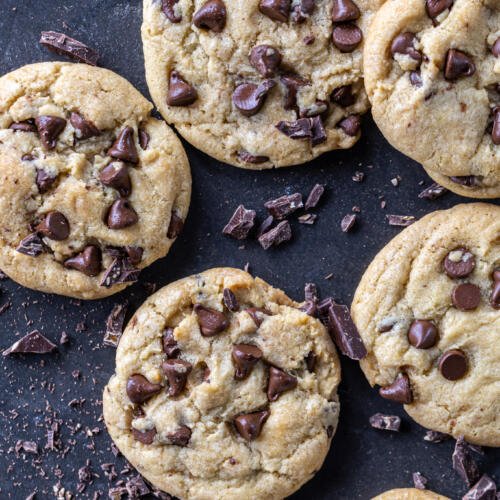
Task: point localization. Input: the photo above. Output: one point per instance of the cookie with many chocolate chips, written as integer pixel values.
(427, 309)
(92, 188)
(409, 494)
(259, 83)
(432, 73)
(217, 398)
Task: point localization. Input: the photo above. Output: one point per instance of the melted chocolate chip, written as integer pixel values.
(436, 7)
(345, 10)
(211, 322)
(495, 294)
(179, 437)
(459, 263)
(311, 360)
(247, 157)
(245, 357)
(134, 254)
(416, 78)
(140, 389)
(211, 16)
(404, 43)
(168, 8)
(116, 176)
(124, 147)
(292, 84)
(32, 245)
(346, 37)
(423, 334)
(298, 129)
(66, 46)
(54, 226)
(121, 215)
(351, 125)
(177, 372)
(458, 64)
(230, 300)
(170, 346)
(343, 96)
(49, 129)
(249, 98)
(279, 382)
(143, 139)
(495, 49)
(266, 60)
(249, 425)
(277, 10)
(26, 126)
(453, 364)
(87, 262)
(44, 180)
(258, 314)
(175, 226)
(466, 297)
(241, 223)
(84, 129)
(399, 390)
(144, 437)
(466, 180)
(180, 92)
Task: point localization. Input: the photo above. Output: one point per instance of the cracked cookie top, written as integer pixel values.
(259, 83)
(92, 188)
(428, 310)
(432, 73)
(224, 388)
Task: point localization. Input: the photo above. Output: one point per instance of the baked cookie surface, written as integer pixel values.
(409, 494)
(92, 188)
(224, 389)
(259, 83)
(428, 310)
(432, 73)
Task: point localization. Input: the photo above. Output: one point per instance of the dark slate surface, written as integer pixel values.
(362, 461)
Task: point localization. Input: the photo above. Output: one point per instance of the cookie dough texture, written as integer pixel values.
(161, 180)
(406, 282)
(215, 63)
(409, 494)
(217, 462)
(443, 124)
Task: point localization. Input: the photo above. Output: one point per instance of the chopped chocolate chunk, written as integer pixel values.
(84, 129)
(347, 37)
(245, 357)
(495, 131)
(292, 84)
(136, 487)
(175, 226)
(230, 300)
(351, 125)
(344, 10)
(358, 176)
(466, 296)
(318, 131)
(180, 437)
(32, 343)
(140, 389)
(170, 346)
(279, 382)
(266, 60)
(168, 8)
(385, 422)
(298, 129)
(121, 215)
(301, 10)
(114, 325)
(247, 157)
(308, 219)
(249, 425)
(458, 64)
(423, 334)
(134, 254)
(177, 372)
(25, 126)
(144, 437)
(258, 314)
(249, 98)
(466, 180)
(400, 220)
(314, 196)
(124, 147)
(87, 262)
(343, 96)
(463, 463)
(404, 43)
(49, 129)
(180, 92)
(265, 226)
(399, 390)
(211, 321)
(348, 222)
(66, 46)
(44, 180)
(433, 192)
(484, 489)
(282, 207)
(419, 481)
(277, 10)
(453, 364)
(436, 437)
(436, 7)
(459, 263)
(211, 16)
(27, 447)
(32, 245)
(311, 292)
(344, 332)
(116, 176)
(241, 223)
(280, 234)
(54, 226)
(119, 272)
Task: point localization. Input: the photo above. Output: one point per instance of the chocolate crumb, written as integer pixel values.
(348, 222)
(385, 422)
(419, 481)
(114, 325)
(400, 220)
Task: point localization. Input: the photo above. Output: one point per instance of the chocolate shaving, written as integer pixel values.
(433, 192)
(32, 343)
(308, 219)
(66, 46)
(119, 272)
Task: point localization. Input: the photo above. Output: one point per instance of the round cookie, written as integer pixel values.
(432, 73)
(259, 83)
(409, 494)
(92, 188)
(428, 311)
(224, 389)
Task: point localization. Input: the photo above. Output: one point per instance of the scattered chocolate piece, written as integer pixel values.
(466, 296)
(66, 46)
(247, 157)
(124, 147)
(400, 220)
(436, 437)
(265, 226)
(27, 447)
(266, 60)
(180, 92)
(280, 234)
(44, 180)
(346, 37)
(385, 422)
(459, 263)
(32, 245)
(241, 223)
(298, 129)
(307, 219)
(463, 463)
(419, 481)
(249, 425)
(119, 272)
(423, 334)
(399, 390)
(87, 262)
(358, 176)
(484, 489)
(121, 215)
(211, 16)
(343, 96)
(177, 372)
(433, 192)
(458, 64)
(348, 222)
(279, 382)
(211, 321)
(140, 389)
(170, 346)
(436, 7)
(180, 437)
(404, 43)
(54, 226)
(258, 314)
(84, 129)
(344, 10)
(453, 364)
(175, 226)
(25, 126)
(32, 343)
(245, 357)
(315, 196)
(114, 325)
(351, 125)
(49, 129)
(292, 84)
(168, 8)
(277, 10)
(344, 332)
(116, 176)
(282, 207)
(136, 487)
(230, 300)
(249, 98)
(143, 139)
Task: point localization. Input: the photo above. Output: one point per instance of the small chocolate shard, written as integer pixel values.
(343, 96)
(315, 196)
(32, 343)
(308, 219)
(27, 447)
(245, 357)
(249, 425)
(230, 300)
(49, 129)
(279, 382)
(124, 147)
(266, 60)
(280, 234)
(297, 129)
(282, 207)
(175, 226)
(241, 223)
(211, 16)
(84, 129)
(433, 192)
(247, 157)
(385, 422)
(400, 220)
(344, 332)
(119, 272)
(463, 463)
(258, 314)
(168, 8)
(114, 325)
(318, 131)
(180, 92)
(484, 489)
(211, 322)
(144, 138)
(436, 437)
(348, 222)
(399, 390)
(140, 389)
(177, 372)
(419, 481)
(311, 360)
(265, 225)
(170, 346)
(32, 245)
(180, 437)
(66, 46)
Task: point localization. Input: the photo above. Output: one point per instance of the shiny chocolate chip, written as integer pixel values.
(124, 147)
(453, 364)
(84, 129)
(277, 10)
(134, 254)
(351, 125)
(140, 389)
(279, 382)
(266, 60)
(346, 37)
(345, 10)
(258, 314)
(495, 50)
(458, 64)
(49, 129)
(399, 390)
(423, 334)
(180, 92)
(466, 296)
(245, 357)
(249, 98)
(121, 215)
(116, 176)
(211, 322)
(436, 7)
(495, 294)
(54, 226)
(211, 16)
(177, 372)
(249, 425)
(44, 180)
(170, 346)
(404, 44)
(87, 262)
(144, 139)
(459, 263)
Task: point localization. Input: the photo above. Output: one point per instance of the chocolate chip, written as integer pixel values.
(436, 7)
(247, 157)
(436, 437)
(32, 343)
(121, 215)
(453, 364)
(344, 10)
(484, 489)
(419, 481)
(25, 126)
(211, 16)
(351, 125)
(301, 10)
(279, 382)
(144, 437)
(404, 44)
(180, 437)
(87, 262)
(245, 357)
(495, 131)
(277, 10)
(140, 389)
(495, 294)
(423, 334)
(298, 129)
(266, 60)
(311, 360)
(32, 245)
(116, 176)
(114, 325)
(168, 8)
(400, 220)
(211, 321)
(175, 226)
(49, 129)
(282, 207)
(124, 147)
(466, 180)
(230, 300)
(170, 346)
(399, 390)
(459, 263)
(84, 129)
(241, 223)
(416, 79)
(66, 46)
(385, 422)
(348, 222)
(276, 236)
(249, 98)
(433, 192)
(177, 372)
(346, 37)
(343, 96)
(314, 196)
(119, 272)
(458, 64)
(44, 180)
(466, 297)
(463, 463)
(292, 84)
(180, 92)
(249, 425)
(54, 226)
(344, 332)
(495, 49)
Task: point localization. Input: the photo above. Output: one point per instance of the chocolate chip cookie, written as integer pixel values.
(409, 494)
(432, 73)
(259, 83)
(224, 388)
(428, 310)
(92, 188)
